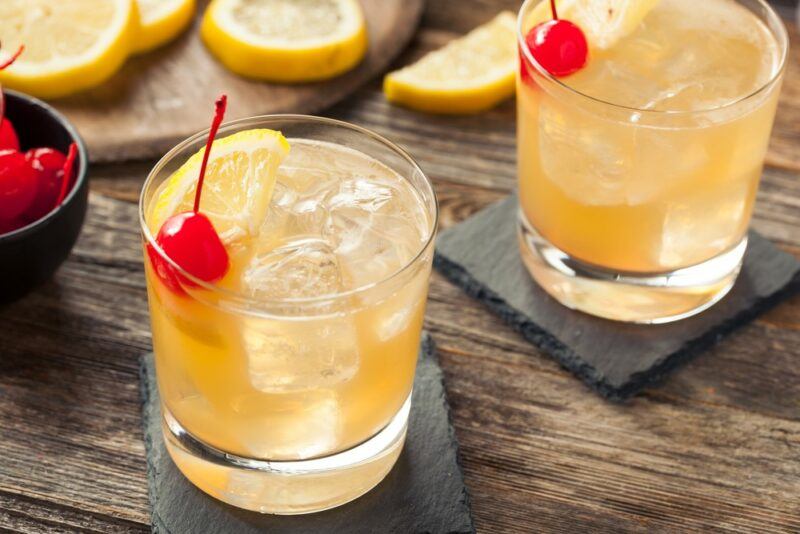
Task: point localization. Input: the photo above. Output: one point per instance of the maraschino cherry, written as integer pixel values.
(18, 185)
(49, 164)
(8, 136)
(558, 45)
(189, 239)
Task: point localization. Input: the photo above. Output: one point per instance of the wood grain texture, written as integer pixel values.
(715, 448)
(161, 97)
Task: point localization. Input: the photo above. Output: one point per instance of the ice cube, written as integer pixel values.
(587, 157)
(300, 354)
(375, 227)
(702, 226)
(665, 160)
(297, 268)
(298, 433)
(363, 194)
(394, 315)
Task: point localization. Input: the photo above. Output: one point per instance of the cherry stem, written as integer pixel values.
(553, 9)
(13, 58)
(219, 113)
(66, 178)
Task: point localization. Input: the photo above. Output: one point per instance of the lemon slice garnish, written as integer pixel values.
(160, 21)
(604, 22)
(69, 45)
(238, 186)
(286, 40)
(469, 74)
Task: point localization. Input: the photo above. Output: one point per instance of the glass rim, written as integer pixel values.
(321, 299)
(783, 42)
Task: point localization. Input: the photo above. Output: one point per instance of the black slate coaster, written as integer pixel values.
(481, 255)
(424, 492)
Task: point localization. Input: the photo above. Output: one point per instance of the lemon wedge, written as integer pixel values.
(238, 186)
(469, 74)
(286, 40)
(161, 21)
(69, 45)
(604, 22)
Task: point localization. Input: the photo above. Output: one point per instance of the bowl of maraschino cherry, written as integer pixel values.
(43, 191)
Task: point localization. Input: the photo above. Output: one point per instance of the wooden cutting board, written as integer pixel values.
(161, 97)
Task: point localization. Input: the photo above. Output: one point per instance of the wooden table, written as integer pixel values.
(716, 447)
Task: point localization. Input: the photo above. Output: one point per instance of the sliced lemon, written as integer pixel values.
(161, 21)
(238, 185)
(604, 22)
(69, 45)
(286, 40)
(469, 74)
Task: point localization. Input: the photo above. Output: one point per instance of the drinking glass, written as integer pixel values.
(289, 405)
(631, 214)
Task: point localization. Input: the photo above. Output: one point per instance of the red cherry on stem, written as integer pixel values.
(8, 136)
(49, 166)
(18, 184)
(189, 239)
(558, 45)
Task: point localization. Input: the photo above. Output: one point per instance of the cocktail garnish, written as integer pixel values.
(189, 239)
(8, 135)
(18, 184)
(7, 63)
(66, 176)
(558, 45)
(49, 166)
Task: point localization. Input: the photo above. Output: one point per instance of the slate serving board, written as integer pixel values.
(424, 492)
(161, 97)
(617, 360)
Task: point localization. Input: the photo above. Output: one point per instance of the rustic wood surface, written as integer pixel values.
(157, 98)
(716, 448)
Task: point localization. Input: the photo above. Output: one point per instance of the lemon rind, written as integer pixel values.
(183, 179)
(165, 27)
(455, 96)
(101, 61)
(280, 60)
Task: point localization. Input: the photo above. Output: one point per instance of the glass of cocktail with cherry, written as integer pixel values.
(642, 131)
(287, 267)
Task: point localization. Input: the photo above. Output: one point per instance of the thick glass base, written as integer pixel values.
(631, 297)
(287, 487)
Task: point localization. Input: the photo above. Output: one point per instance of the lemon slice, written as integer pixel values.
(604, 22)
(238, 186)
(69, 45)
(469, 74)
(161, 21)
(286, 40)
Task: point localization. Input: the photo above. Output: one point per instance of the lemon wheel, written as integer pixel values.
(468, 75)
(160, 21)
(69, 46)
(286, 40)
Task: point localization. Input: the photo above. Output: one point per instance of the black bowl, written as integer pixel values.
(31, 254)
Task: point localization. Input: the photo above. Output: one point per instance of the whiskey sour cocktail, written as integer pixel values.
(641, 148)
(285, 363)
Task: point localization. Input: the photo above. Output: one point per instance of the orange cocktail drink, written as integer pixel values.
(299, 362)
(639, 171)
